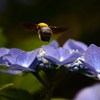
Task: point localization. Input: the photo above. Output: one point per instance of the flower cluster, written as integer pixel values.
(73, 56)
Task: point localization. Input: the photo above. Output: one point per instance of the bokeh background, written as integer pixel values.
(81, 17)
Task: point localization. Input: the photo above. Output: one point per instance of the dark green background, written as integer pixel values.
(81, 17)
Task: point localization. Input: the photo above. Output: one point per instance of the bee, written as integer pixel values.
(44, 31)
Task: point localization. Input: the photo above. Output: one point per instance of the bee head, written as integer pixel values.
(41, 25)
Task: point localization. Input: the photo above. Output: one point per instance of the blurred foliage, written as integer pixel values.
(15, 94)
(81, 17)
(2, 38)
(28, 82)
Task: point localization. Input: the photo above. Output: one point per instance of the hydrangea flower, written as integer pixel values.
(59, 55)
(3, 51)
(18, 60)
(73, 45)
(92, 59)
(55, 61)
(54, 44)
(12, 54)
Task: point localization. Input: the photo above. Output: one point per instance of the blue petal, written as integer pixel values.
(20, 68)
(2, 62)
(92, 57)
(14, 72)
(11, 56)
(88, 65)
(75, 45)
(50, 51)
(3, 51)
(53, 60)
(25, 59)
(89, 93)
(64, 54)
(54, 44)
(74, 56)
(64, 57)
(9, 59)
(15, 52)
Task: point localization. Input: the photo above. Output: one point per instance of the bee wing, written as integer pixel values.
(30, 26)
(58, 29)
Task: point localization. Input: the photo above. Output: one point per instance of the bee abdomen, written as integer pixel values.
(45, 33)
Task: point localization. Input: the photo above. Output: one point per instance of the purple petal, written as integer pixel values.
(3, 51)
(9, 59)
(50, 51)
(52, 59)
(54, 44)
(89, 93)
(11, 56)
(64, 54)
(15, 52)
(59, 54)
(25, 59)
(63, 59)
(92, 57)
(14, 72)
(2, 62)
(75, 45)
(90, 67)
(74, 56)
(20, 68)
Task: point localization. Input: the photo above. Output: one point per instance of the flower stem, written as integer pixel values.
(49, 92)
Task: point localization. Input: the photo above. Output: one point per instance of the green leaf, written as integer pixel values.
(28, 82)
(15, 94)
(6, 78)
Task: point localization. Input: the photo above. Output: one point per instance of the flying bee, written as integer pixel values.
(44, 31)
